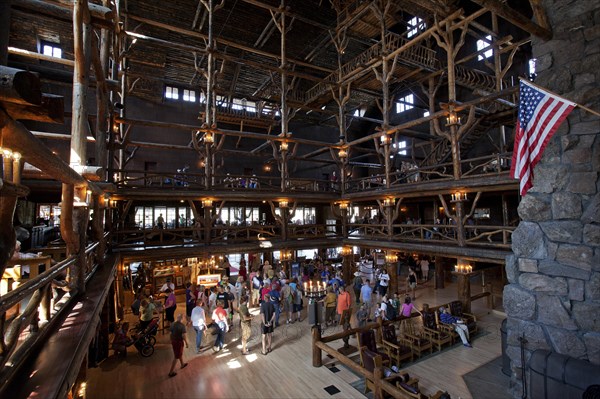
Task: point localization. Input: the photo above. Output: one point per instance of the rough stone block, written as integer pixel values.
(563, 231)
(512, 273)
(541, 283)
(592, 288)
(578, 256)
(589, 127)
(569, 142)
(528, 265)
(544, 62)
(552, 313)
(535, 208)
(556, 269)
(551, 248)
(587, 315)
(549, 178)
(591, 213)
(592, 344)
(583, 79)
(566, 205)
(518, 302)
(566, 342)
(591, 234)
(528, 241)
(576, 289)
(533, 332)
(592, 33)
(582, 183)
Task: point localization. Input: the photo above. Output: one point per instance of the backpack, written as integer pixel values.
(391, 312)
(255, 282)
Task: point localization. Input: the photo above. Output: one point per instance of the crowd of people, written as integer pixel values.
(280, 299)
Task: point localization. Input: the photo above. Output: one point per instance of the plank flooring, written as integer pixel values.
(287, 372)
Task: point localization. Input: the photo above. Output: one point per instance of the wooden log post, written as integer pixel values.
(81, 216)
(97, 227)
(392, 269)
(8, 238)
(316, 337)
(464, 290)
(377, 378)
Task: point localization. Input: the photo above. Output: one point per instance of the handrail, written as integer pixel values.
(13, 297)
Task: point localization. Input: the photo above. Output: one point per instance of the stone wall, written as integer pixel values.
(553, 295)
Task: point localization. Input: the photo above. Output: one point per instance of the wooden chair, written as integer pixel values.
(439, 334)
(367, 339)
(397, 349)
(456, 310)
(370, 360)
(419, 338)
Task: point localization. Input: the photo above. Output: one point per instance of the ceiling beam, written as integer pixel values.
(516, 18)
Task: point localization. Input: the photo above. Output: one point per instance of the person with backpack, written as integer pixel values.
(256, 287)
(297, 300)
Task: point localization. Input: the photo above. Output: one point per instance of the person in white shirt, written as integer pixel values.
(168, 285)
(425, 269)
(198, 323)
(384, 279)
(212, 300)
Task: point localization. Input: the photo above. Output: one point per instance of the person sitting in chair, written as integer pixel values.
(459, 325)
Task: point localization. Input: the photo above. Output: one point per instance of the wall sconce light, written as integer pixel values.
(285, 255)
(209, 138)
(389, 201)
(452, 119)
(385, 139)
(88, 196)
(342, 153)
(267, 167)
(465, 269)
(207, 203)
(284, 146)
(458, 197)
(344, 205)
(283, 203)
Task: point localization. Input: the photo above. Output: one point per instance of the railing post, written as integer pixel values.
(317, 359)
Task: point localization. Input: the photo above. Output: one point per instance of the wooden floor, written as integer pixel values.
(287, 372)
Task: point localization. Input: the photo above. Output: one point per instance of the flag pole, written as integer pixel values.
(591, 111)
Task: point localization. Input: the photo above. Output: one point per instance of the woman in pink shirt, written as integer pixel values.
(407, 307)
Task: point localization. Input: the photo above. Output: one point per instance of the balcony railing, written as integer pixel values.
(28, 312)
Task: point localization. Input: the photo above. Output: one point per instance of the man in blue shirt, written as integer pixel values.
(458, 324)
(365, 296)
(275, 300)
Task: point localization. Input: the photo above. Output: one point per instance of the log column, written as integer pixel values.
(4, 30)
(317, 359)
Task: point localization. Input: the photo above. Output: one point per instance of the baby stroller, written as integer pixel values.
(144, 340)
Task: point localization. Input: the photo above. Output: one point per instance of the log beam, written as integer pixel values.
(16, 137)
(516, 18)
(20, 87)
(100, 16)
(51, 110)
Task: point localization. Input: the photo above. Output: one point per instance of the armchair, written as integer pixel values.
(367, 339)
(456, 310)
(397, 349)
(440, 334)
(419, 338)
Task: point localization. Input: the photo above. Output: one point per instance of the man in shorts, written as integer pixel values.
(178, 338)
(267, 316)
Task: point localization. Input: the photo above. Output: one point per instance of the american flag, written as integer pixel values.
(540, 115)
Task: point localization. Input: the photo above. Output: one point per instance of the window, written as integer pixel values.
(172, 93)
(302, 215)
(51, 49)
(307, 253)
(400, 147)
(237, 215)
(483, 44)
(405, 103)
(189, 95)
(426, 114)
(532, 73)
(360, 111)
(415, 25)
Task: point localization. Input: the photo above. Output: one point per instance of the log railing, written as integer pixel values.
(39, 313)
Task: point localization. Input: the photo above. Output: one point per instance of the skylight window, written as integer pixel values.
(482, 45)
(405, 103)
(415, 25)
(532, 67)
(172, 93)
(360, 112)
(189, 95)
(52, 50)
(426, 114)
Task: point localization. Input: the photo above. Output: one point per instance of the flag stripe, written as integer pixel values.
(540, 115)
